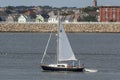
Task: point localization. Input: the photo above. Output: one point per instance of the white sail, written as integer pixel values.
(65, 50)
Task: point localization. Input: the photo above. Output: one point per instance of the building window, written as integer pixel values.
(106, 9)
(113, 16)
(113, 9)
(106, 16)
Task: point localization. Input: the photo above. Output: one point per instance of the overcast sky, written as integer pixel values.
(58, 3)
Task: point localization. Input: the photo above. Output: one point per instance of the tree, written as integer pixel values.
(8, 11)
(89, 9)
(64, 14)
(90, 18)
(33, 15)
(47, 7)
(10, 7)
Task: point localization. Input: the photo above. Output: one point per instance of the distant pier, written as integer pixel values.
(69, 27)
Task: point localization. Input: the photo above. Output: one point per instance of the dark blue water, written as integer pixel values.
(21, 53)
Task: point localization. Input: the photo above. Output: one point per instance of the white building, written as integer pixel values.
(53, 19)
(23, 19)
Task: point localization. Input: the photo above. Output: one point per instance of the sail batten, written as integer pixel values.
(65, 50)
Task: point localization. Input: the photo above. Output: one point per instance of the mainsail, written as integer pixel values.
(65, 52)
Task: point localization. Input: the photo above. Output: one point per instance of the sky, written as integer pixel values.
(58, 3)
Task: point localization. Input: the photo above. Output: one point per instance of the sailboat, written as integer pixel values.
(64, 54)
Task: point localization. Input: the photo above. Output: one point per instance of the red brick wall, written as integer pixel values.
(110, 13)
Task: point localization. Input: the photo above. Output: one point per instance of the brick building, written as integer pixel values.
(109, 13)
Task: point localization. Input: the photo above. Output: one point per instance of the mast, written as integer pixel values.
(58, 37)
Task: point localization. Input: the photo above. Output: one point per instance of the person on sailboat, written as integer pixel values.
(74, 64)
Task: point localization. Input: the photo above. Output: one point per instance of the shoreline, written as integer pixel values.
(78, 27)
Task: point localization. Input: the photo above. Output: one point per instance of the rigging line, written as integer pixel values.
(46, 46)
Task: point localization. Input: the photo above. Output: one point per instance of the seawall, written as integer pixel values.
(69, 27)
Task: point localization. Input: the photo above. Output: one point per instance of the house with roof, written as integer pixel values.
(39, 18)
(23, 19)
(62, 18)
(76, 17)
(12, 18)
(53, 19)
(51, 13)
(69, 18)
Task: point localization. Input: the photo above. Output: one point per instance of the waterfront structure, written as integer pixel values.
(109, 13)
